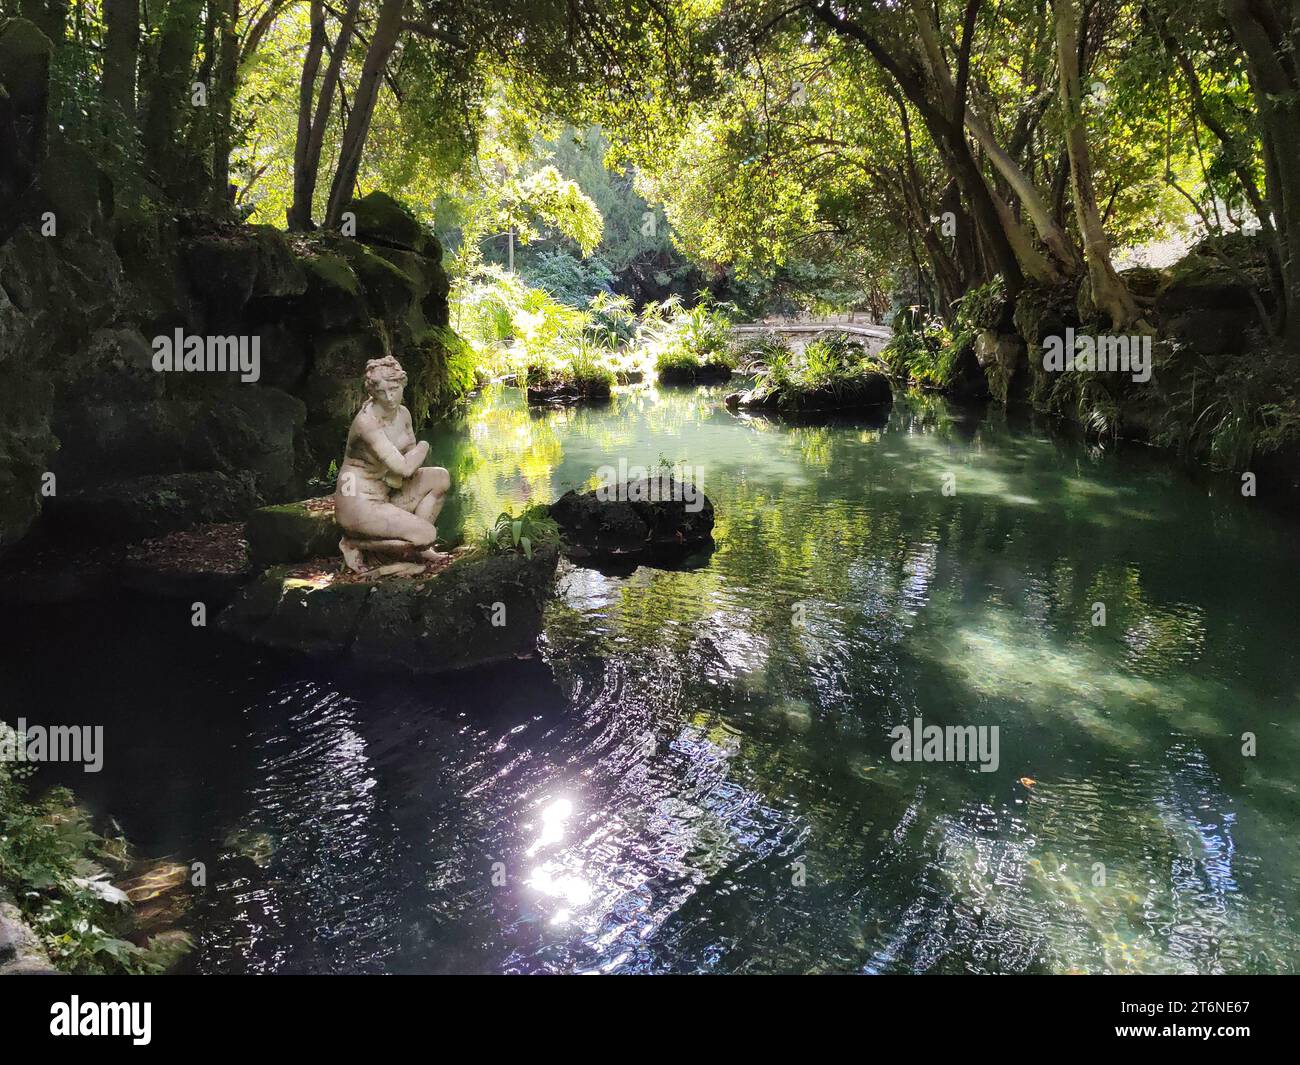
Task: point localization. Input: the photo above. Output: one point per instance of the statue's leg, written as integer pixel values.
(352, 556)
(424, 494)
(354, 551)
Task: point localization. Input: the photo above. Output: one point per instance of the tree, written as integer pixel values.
(1269, 33)
(1109, 293)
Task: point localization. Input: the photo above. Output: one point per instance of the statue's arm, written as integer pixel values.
(396, 462)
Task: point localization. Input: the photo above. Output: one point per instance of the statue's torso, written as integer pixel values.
(371, 479)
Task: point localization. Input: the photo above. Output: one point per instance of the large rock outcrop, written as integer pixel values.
(106, 447)
(478, 610)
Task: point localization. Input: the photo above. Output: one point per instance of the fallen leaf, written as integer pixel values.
(1028, 782)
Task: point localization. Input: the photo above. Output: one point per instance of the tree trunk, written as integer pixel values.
(316, 135)
(1109, 293)
(1258, 26)
(222, 102)
(304, 182)
(1004, 242)
(121, 49)
(382, 43)
(1056, 239)
(169, 90)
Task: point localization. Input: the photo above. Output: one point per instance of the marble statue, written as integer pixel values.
(385, 500)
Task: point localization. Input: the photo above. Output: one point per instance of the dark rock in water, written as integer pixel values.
(476, 610)
(864, 390)
(652, 521)
(629, 377)
(705, 373)
(968, 380)
(559, 392)
(293, 532)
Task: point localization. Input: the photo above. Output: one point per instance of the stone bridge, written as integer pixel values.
(799, 331)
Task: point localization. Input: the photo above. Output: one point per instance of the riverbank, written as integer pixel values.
(73, 900)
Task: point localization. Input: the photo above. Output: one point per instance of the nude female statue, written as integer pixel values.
(385, 500)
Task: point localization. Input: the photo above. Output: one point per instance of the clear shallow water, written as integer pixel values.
(688, 780)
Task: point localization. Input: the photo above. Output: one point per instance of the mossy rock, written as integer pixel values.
(423, 273)
(292, 532)
(280, 273)
(704, 373)
(557, 391)
(333, 390)
(24, 64)
(1218, 272)
(21, 952)
(71, 185)
(222, 269)
(863, 390)
(389, 291)
(334, 298)
(1002, 359)
(382, 220)
(479, 610)
(149, 247)
(653, 520)
(26, 447)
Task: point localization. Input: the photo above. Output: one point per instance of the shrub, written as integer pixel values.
(533, 528)
(688, 341)
(58, 869)
(833, 370)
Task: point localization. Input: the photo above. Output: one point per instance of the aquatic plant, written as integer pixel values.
(834, 370)
(687, 341)
(533, 528)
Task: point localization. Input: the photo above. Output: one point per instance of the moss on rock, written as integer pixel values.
(292, 532)
(383, 220)
(480, 609)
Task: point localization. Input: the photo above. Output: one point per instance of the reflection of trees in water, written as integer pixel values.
(970, 608)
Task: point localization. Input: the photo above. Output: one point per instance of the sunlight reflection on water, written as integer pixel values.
(696, 776)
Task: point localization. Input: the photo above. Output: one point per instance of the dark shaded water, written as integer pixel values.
(696, 775)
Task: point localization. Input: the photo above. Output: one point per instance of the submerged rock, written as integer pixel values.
(652, 521)
(475, 610)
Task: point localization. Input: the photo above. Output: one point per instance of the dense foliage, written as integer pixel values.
(58, 870)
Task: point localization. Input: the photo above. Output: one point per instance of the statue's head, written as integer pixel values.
(385, 380)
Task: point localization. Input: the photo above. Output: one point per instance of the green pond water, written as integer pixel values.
(696, 773)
